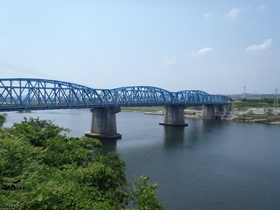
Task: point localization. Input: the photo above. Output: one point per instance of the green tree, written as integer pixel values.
(144, 195)
(3, 119)
(40, 168)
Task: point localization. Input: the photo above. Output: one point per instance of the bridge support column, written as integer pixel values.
(208, 112)
(174, 116)
(226, 108)
(103, 123)
(218, 108)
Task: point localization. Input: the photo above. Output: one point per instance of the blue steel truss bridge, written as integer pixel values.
(22, 94)
(18, 94)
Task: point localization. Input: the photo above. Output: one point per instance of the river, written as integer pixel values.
(207, 165)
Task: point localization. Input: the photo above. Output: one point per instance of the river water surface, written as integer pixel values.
(207, 165)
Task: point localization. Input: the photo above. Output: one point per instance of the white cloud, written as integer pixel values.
(261, 47)
(170, 61)
(207, 15)
(262, 7)
(203, 51)
(234, 13)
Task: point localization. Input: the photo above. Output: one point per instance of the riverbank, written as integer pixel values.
(256, 118)
(253, 115)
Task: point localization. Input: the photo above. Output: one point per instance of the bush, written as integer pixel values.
(42, 169)
(242, 118)
(272, 119)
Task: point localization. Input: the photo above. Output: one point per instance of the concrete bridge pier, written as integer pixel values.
(215, 111)
(174, 116)
(223, 108)
(103, 123)
(227, 108)
(208, 112)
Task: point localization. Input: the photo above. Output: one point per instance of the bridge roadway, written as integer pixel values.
(19, 94)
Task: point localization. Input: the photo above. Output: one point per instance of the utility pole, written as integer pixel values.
(275, 105)
(245, 96)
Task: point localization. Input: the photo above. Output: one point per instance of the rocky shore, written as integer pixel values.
(251, 115)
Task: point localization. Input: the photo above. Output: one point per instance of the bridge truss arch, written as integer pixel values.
(142, 96)
(198, 97)
(35, 94)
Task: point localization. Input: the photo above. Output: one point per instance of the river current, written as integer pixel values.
(206, 165)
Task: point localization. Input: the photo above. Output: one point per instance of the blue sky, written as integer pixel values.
(215, 46)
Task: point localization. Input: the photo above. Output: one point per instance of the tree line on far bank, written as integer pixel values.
(40, 168)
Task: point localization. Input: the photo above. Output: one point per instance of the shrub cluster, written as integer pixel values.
(43, 169)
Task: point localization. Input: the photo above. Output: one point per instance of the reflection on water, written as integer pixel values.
(173, 136)
(193, 136)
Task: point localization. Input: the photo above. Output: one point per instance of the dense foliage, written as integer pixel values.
(40, 168)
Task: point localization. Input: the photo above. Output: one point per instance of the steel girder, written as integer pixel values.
(35, 94)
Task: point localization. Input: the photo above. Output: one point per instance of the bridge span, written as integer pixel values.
(22, 94)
